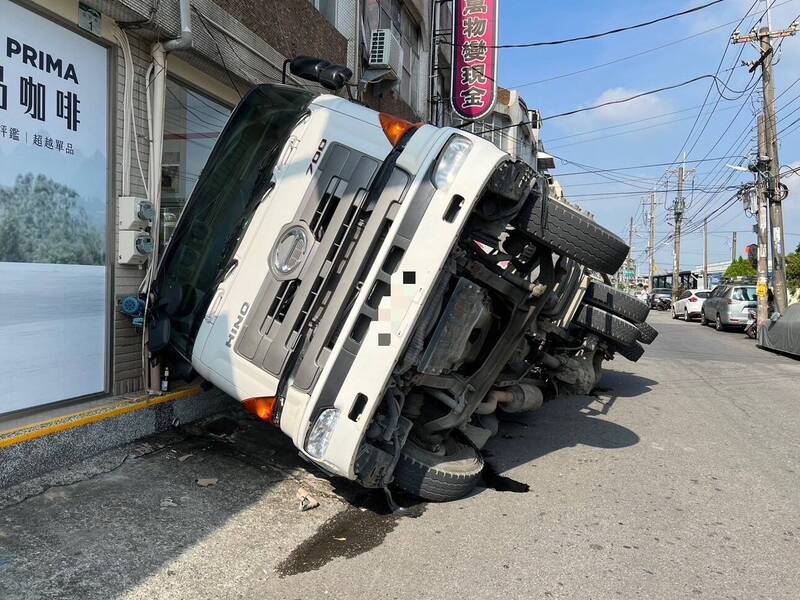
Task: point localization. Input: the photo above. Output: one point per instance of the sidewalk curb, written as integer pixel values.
(34, 431)
(38, 448)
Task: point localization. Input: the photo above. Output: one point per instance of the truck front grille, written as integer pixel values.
(348, 233)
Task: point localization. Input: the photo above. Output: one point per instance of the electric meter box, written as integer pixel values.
(134, 247)
(134, 213)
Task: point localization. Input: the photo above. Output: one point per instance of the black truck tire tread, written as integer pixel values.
(616, 301)
(633, 353)
(569, 233)
(607, 325)
(647, 333)
(439, 480)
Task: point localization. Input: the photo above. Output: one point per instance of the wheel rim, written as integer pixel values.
(685, 314)
(719, 323)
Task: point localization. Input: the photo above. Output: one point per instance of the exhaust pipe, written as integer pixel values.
(523, 397)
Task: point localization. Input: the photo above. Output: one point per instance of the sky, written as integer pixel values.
(654, 129)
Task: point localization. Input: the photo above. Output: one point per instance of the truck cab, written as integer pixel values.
(377, 289)
(307, 251)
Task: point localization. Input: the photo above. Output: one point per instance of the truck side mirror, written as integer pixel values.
(307, 67)
(335, 77)
(328, 75)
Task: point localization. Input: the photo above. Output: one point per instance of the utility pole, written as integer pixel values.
(733, 247)
(651, 248)
(705, 253)
(761, 167)
(764, 37)
(630, 239)
(678, 207)
(627, 266)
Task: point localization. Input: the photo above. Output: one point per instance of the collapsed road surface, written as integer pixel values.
(679, 480)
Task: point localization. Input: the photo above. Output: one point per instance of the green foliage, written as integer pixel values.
(792, 269)
(741, 268)
(41, 222)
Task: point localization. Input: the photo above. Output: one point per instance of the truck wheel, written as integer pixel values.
(647, 333)
(632, 353)
(607, 325)
(569, 233)
(616, 301)
(438, 477)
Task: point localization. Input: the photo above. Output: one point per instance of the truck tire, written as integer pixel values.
(607, 325)
(616, 301)
(647, 333)
(435, 477)
(569, 233)
(632, 353)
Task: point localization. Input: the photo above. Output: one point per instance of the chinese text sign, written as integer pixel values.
(473, 89)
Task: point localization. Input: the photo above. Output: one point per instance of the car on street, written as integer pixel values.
(659, 298)
(689, 304)
(728, 305)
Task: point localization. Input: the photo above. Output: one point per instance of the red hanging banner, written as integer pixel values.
(473, 85)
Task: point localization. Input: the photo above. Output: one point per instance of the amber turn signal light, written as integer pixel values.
(263, 407)
(395, 127)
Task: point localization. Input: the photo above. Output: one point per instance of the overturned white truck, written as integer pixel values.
(380, 289)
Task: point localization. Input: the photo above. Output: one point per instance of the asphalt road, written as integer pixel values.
(679, 481)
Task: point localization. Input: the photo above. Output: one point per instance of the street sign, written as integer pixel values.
(473, 85)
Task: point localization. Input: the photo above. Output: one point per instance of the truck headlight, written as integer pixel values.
(450, 161)
(321, 432)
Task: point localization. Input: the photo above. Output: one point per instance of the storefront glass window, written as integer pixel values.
(54, 200)
(193, 123)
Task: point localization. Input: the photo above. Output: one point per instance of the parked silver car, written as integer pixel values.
(728, 305)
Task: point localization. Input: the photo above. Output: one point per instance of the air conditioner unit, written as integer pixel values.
(385, 52)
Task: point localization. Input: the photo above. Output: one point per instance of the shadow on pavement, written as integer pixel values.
(562, 423)
(623, 384)
(107, 532)
(108, 527)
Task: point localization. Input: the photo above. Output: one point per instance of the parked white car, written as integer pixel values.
(690, 304)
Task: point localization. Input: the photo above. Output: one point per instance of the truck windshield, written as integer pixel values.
(236, 176)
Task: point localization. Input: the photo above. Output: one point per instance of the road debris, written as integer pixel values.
(184, 457)
(208, 482)
(307, 501)
(166, 502)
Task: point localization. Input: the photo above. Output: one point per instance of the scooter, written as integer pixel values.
(751, 329)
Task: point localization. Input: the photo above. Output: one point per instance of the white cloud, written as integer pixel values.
(640, 108)
(621, 112)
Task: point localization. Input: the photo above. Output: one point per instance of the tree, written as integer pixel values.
(741, 268)
(792, 269)
(42, 222)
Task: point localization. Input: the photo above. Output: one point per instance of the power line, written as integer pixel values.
(647, 166)
(631, 56)
(665, 88)
(219, 51)
(628, 132)
(595, 36)
(708, 94)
